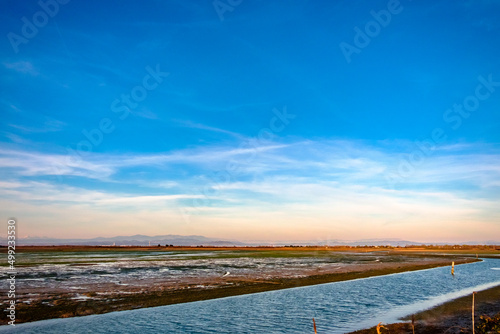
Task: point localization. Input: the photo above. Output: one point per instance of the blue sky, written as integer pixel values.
(249, 120)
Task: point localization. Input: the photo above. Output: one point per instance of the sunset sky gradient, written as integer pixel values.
(248, 120)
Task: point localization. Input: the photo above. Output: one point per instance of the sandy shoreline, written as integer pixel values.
(103, 298)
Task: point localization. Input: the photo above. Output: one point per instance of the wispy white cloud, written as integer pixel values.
(145, 113)
(15, 138)
(14, 107)
(43, 192)
(24, 67)
(43, 164)
(350, 162)
(324, 183)
(102, 166)
(49, 125)
(192, 125)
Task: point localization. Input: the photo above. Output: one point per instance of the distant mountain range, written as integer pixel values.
(198, 240)
(399, 242)
(134, 240)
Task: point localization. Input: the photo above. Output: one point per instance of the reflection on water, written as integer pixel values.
(338, 307)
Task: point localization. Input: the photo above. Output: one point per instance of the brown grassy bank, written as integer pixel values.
(452, 317)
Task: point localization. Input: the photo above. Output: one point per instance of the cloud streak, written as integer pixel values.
(330, 182)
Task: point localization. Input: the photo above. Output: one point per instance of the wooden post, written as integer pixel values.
(473, 329)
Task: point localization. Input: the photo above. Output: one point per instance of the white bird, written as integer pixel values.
(227, 273)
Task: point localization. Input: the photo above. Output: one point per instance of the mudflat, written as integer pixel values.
(55, 282)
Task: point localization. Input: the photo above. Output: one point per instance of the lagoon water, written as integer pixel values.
(337, 307)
